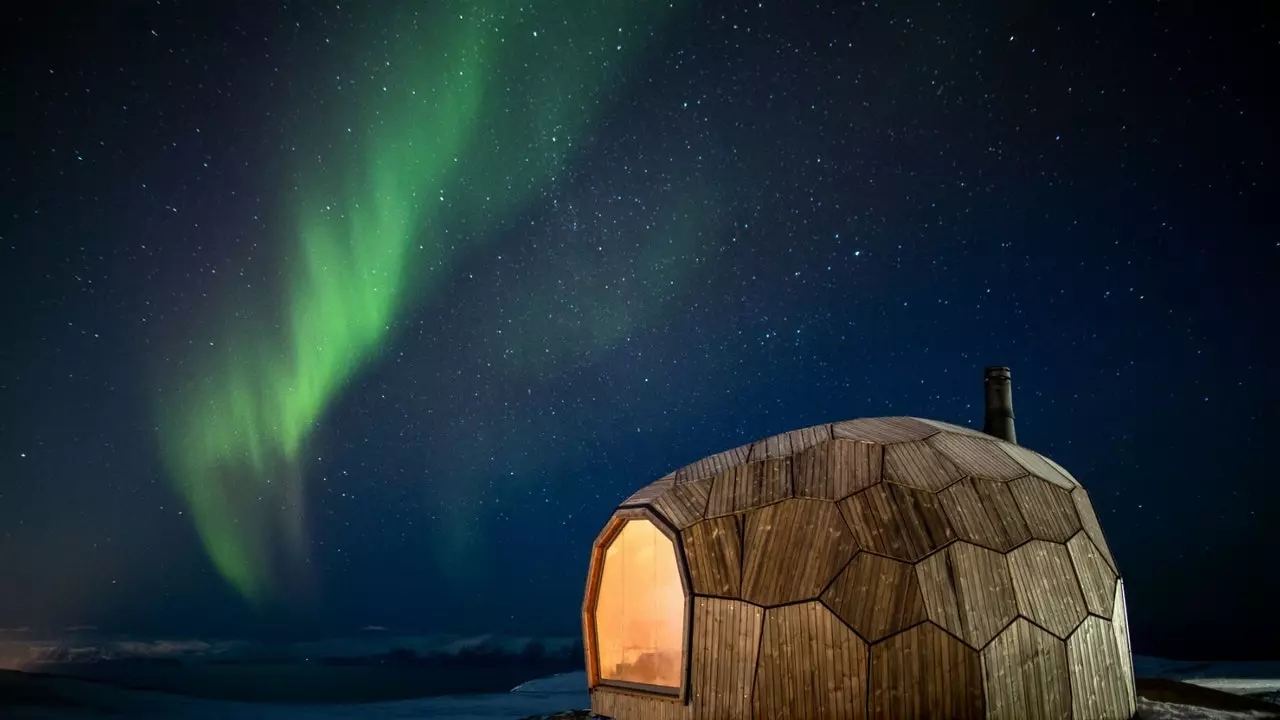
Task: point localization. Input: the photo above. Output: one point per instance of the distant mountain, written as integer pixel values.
(32, 655)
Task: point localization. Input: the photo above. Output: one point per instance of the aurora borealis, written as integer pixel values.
(320, 316)
(373, 236)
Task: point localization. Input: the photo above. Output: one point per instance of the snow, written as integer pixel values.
(68, 699)
(1148, 710)
(538, 697)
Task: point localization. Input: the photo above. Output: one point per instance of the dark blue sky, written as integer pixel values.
(884, 200)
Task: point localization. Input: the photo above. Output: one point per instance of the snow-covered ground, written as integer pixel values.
(64, 699)
(52, 698)
(1148, 710)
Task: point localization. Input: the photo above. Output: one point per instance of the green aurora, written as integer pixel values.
(459, 118)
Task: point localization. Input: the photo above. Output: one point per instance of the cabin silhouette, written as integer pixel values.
(889, 567)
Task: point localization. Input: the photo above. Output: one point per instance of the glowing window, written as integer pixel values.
(640, 609)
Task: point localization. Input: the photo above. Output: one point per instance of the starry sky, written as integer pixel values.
(319, 316)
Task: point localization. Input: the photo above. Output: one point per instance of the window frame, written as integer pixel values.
(590, 636)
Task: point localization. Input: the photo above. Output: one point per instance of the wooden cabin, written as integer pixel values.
(876, 568)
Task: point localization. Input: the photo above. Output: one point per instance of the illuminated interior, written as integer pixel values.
(640, 609)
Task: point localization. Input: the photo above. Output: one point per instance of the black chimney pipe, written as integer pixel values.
(999, 416)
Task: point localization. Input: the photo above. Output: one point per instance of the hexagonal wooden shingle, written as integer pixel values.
(1097, 581)
(925, 673)
(985, 513)
(1026, 673)
(749, 486)
(1048, 510)
(967, 590)
(876, 596)
(792, 550)
(977, 455)
(836, 469)
(897, 521)
(918, 465)
(1045, 583)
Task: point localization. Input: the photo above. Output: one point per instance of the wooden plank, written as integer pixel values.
(897, 521)
(649, 492)
(1089, 520)
(1036, 465)
(726, 643)
(1120, 626)
(1049, 511)
(594, 568)
(712, 465)
(789, 443)
(876, 596)
(984, 513)
(712, 549)
(684, 504)
(936, 580)
(967, 590)
(812, 666)
(953, 428)
(883, 430)
(917, 465)
(623, 704)
(750, 486)
(1101, 686)
(980, 456)
(792, 550)
(1026, 675)
(925, 673)
(836, 469)
(1046, 586)
(1097, 581)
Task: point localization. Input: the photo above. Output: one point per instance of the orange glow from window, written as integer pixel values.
(640, 608)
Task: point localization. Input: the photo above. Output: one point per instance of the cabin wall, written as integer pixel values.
(885, 568)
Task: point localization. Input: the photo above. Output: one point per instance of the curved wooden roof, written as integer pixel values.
(907, 452)
(951, 573)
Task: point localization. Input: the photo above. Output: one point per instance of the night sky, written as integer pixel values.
(319, 316)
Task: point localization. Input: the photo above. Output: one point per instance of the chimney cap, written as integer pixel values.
(998, 418)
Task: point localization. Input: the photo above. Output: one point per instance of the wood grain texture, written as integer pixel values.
(1089, 520)
(792, 550)
(918, 465)
(967, 590)
(812, 666)
(726, 640)
(977, 455)
(713, 465)
(836, 469)
(622, 704)
(1036, 465)
(1046, 586)
(750, 486)
(1097, 581)
(876, 596)
(789, 443)
(713, 551)
(953, 428)
(925, 673)
(1101, 687)
(897, 521)
(684, 504)
(1026, 675)
(1048, 510)
(1120, 626)
(650, 491)
(984, 512)
(883, 430)
(594, 567)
